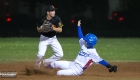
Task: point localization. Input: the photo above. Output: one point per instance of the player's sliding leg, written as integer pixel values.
(60, 64)
(67, 72)
(68, 68)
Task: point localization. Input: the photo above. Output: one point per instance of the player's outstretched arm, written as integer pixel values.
(97, 59)
(80, 34)
(110, 67)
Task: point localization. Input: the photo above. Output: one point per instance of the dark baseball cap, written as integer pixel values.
(50, 8)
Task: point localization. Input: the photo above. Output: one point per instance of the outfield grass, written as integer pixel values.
(110, 49)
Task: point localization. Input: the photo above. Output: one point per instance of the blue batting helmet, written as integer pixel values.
(91, 39)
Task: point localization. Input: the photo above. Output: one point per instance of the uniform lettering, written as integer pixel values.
(82, 53)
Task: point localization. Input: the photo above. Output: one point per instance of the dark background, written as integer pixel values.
(105, 18)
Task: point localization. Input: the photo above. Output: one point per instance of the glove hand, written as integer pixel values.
(113, 68)
(45, 28)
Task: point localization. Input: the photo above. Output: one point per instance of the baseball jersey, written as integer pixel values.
(87, 56)
(55, 21)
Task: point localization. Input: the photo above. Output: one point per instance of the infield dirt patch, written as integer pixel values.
(126, 71)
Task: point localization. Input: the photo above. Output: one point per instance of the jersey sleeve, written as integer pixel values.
(95, 57)
(82, 43)
(59, 23)
(80, 34)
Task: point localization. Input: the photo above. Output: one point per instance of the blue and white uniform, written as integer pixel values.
(86, 57)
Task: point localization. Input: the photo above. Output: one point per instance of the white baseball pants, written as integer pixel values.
(56, 47)
(68, 68)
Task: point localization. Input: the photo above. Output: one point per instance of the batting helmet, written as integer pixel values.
(91, 39)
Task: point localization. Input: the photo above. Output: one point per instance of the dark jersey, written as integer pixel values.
(55, 21)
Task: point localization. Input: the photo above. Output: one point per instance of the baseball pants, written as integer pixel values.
(68, 68)
(43, 44)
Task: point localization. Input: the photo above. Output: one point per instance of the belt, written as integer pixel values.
(48, 36)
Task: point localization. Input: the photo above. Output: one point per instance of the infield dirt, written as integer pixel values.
(126, 71)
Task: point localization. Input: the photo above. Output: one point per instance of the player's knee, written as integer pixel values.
(60, 73)
(61, 54)
(64, 73)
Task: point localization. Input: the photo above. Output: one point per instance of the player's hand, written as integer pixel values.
(79, 23)
(113, 68)
(39, 29)
(53, 27)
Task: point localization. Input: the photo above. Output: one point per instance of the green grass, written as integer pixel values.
(110, 49)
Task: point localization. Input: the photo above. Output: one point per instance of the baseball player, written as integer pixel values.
(86, 56)
(49, 38)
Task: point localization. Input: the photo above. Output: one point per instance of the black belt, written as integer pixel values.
(50, 36)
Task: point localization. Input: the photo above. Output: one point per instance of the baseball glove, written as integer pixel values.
(46, 27)
(113, 69)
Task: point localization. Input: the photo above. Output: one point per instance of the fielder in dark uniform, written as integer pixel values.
(49, 38)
